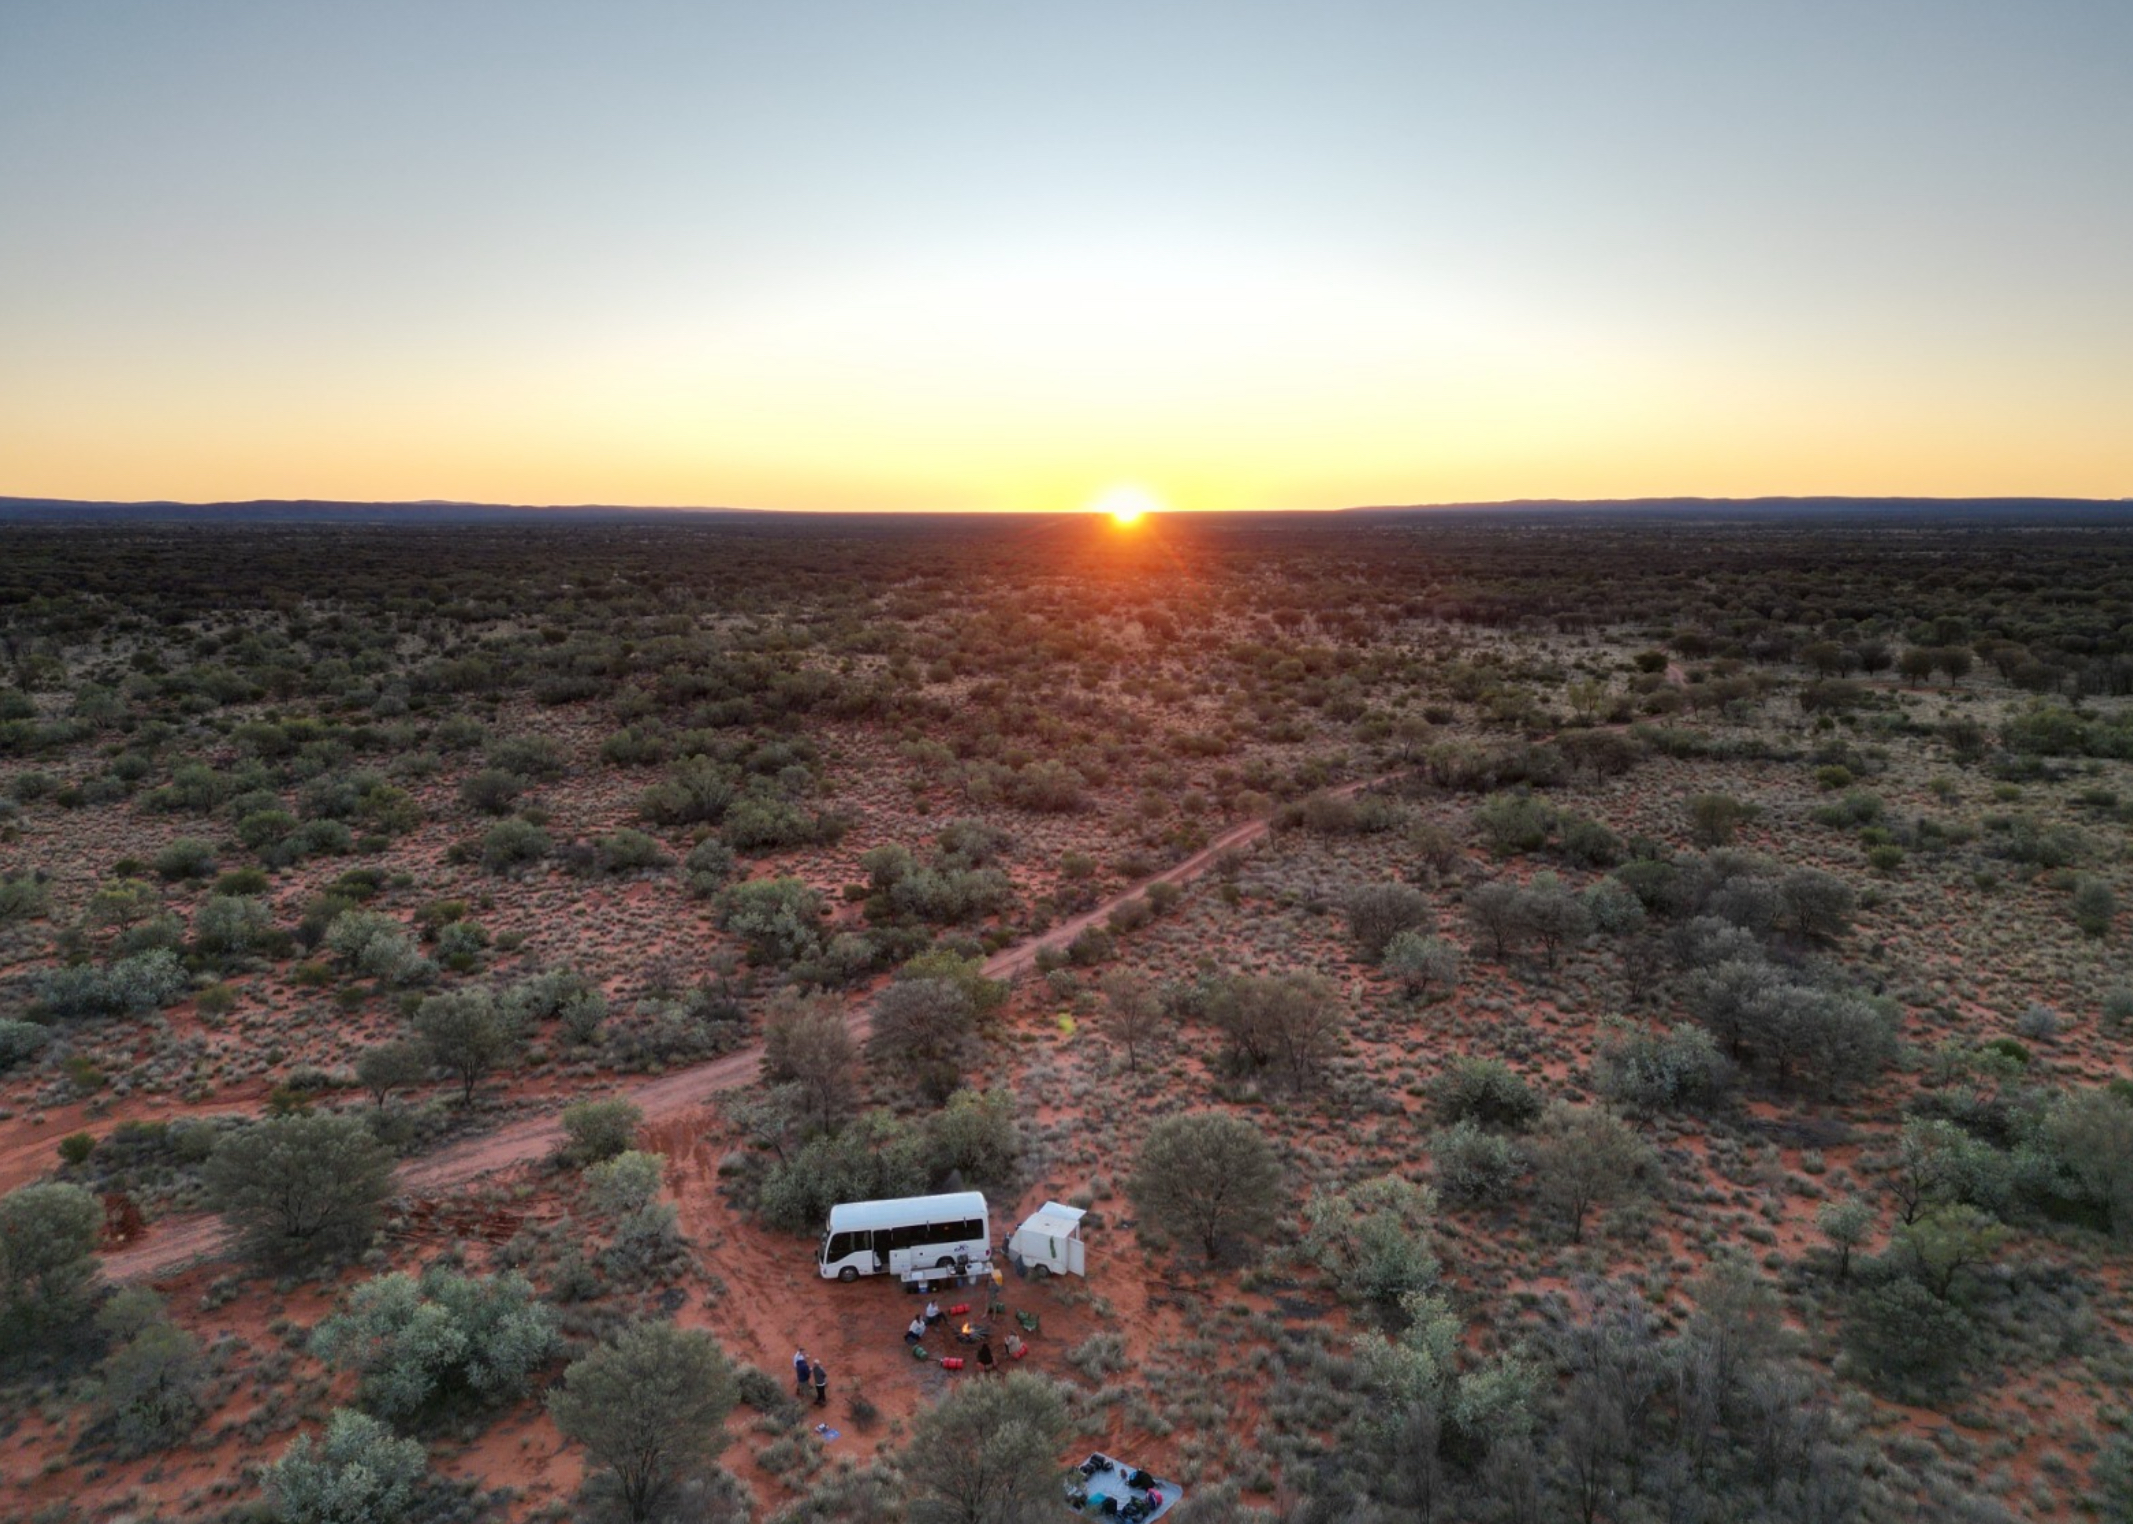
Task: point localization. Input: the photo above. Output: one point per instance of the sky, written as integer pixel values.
(912, 254)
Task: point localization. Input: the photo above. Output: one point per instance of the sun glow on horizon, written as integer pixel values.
(1126, 505)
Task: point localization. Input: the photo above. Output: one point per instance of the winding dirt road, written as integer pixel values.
(176, 1242)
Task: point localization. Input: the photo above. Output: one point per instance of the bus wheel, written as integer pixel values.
(1041, 1272)
(848, 1275)
(944, 1263)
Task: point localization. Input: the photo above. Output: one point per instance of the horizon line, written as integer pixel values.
(24, 502)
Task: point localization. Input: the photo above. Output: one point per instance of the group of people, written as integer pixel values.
(806, 1373)
(915, 1332)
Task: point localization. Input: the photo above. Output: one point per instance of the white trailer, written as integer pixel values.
(1049, 1242)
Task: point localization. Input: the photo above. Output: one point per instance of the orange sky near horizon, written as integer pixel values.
(961, 257)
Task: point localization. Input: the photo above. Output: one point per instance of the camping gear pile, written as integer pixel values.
(1113, 1490)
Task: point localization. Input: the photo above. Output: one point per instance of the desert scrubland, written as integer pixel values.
(1552, 1016)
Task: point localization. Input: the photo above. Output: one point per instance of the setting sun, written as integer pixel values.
(1126, 505)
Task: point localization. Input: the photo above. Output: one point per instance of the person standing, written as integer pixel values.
(985, 1365)
(799, 1373)
(822, 1385)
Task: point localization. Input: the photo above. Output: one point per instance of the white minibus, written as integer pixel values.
(909, 1236)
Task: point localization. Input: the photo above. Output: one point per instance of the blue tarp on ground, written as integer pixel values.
(1112, 1484)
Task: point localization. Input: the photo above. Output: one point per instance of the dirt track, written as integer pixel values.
(178, 1241)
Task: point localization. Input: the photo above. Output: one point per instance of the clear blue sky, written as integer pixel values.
(941, 255)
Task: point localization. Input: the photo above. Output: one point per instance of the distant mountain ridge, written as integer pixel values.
(52, 510)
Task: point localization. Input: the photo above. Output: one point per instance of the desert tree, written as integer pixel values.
(808, 1045)
(925, 1030)
(1936, 1164)
(1209, 1175)
(1679, 1069)
(468, 1033)
(2090, 1133)
(1714, 818)
(1584, 1157)
(1496, 911)
(397, 1064)
(1422, 964)
(974, 1138)
(1815, 905)
(1846, 1224)
(123, 903)
(1133, 1019)
(1553, 914)
(1943, 1244)
(988, 1453)
(153, 1378)
(1379, 912)
(650, 1407)
(301, 1186)
(48, 1274)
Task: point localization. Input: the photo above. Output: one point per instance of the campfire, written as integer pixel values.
(966, 1330)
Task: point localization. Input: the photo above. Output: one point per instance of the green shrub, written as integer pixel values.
(2094, 906)
(1373, 1240)
(1680, 1069)
(876, 1156)
(132, 986)
(599, 1130)
(1905, 1341)
(1515, 822)
(185, 858)
(374, 945)
(298, 1188)
(512, 844)
(492, 791)
(1377, 913)
(24, 896)
(153, 1382)
(708, 866)
(779, 918)
(1484, 1090)
(1422, 963)
(48, 1272)
(629, 851)
(355, 1472)
(20, 1041)
(1208, 1176)
(419, 1346)
(1474, 1166)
